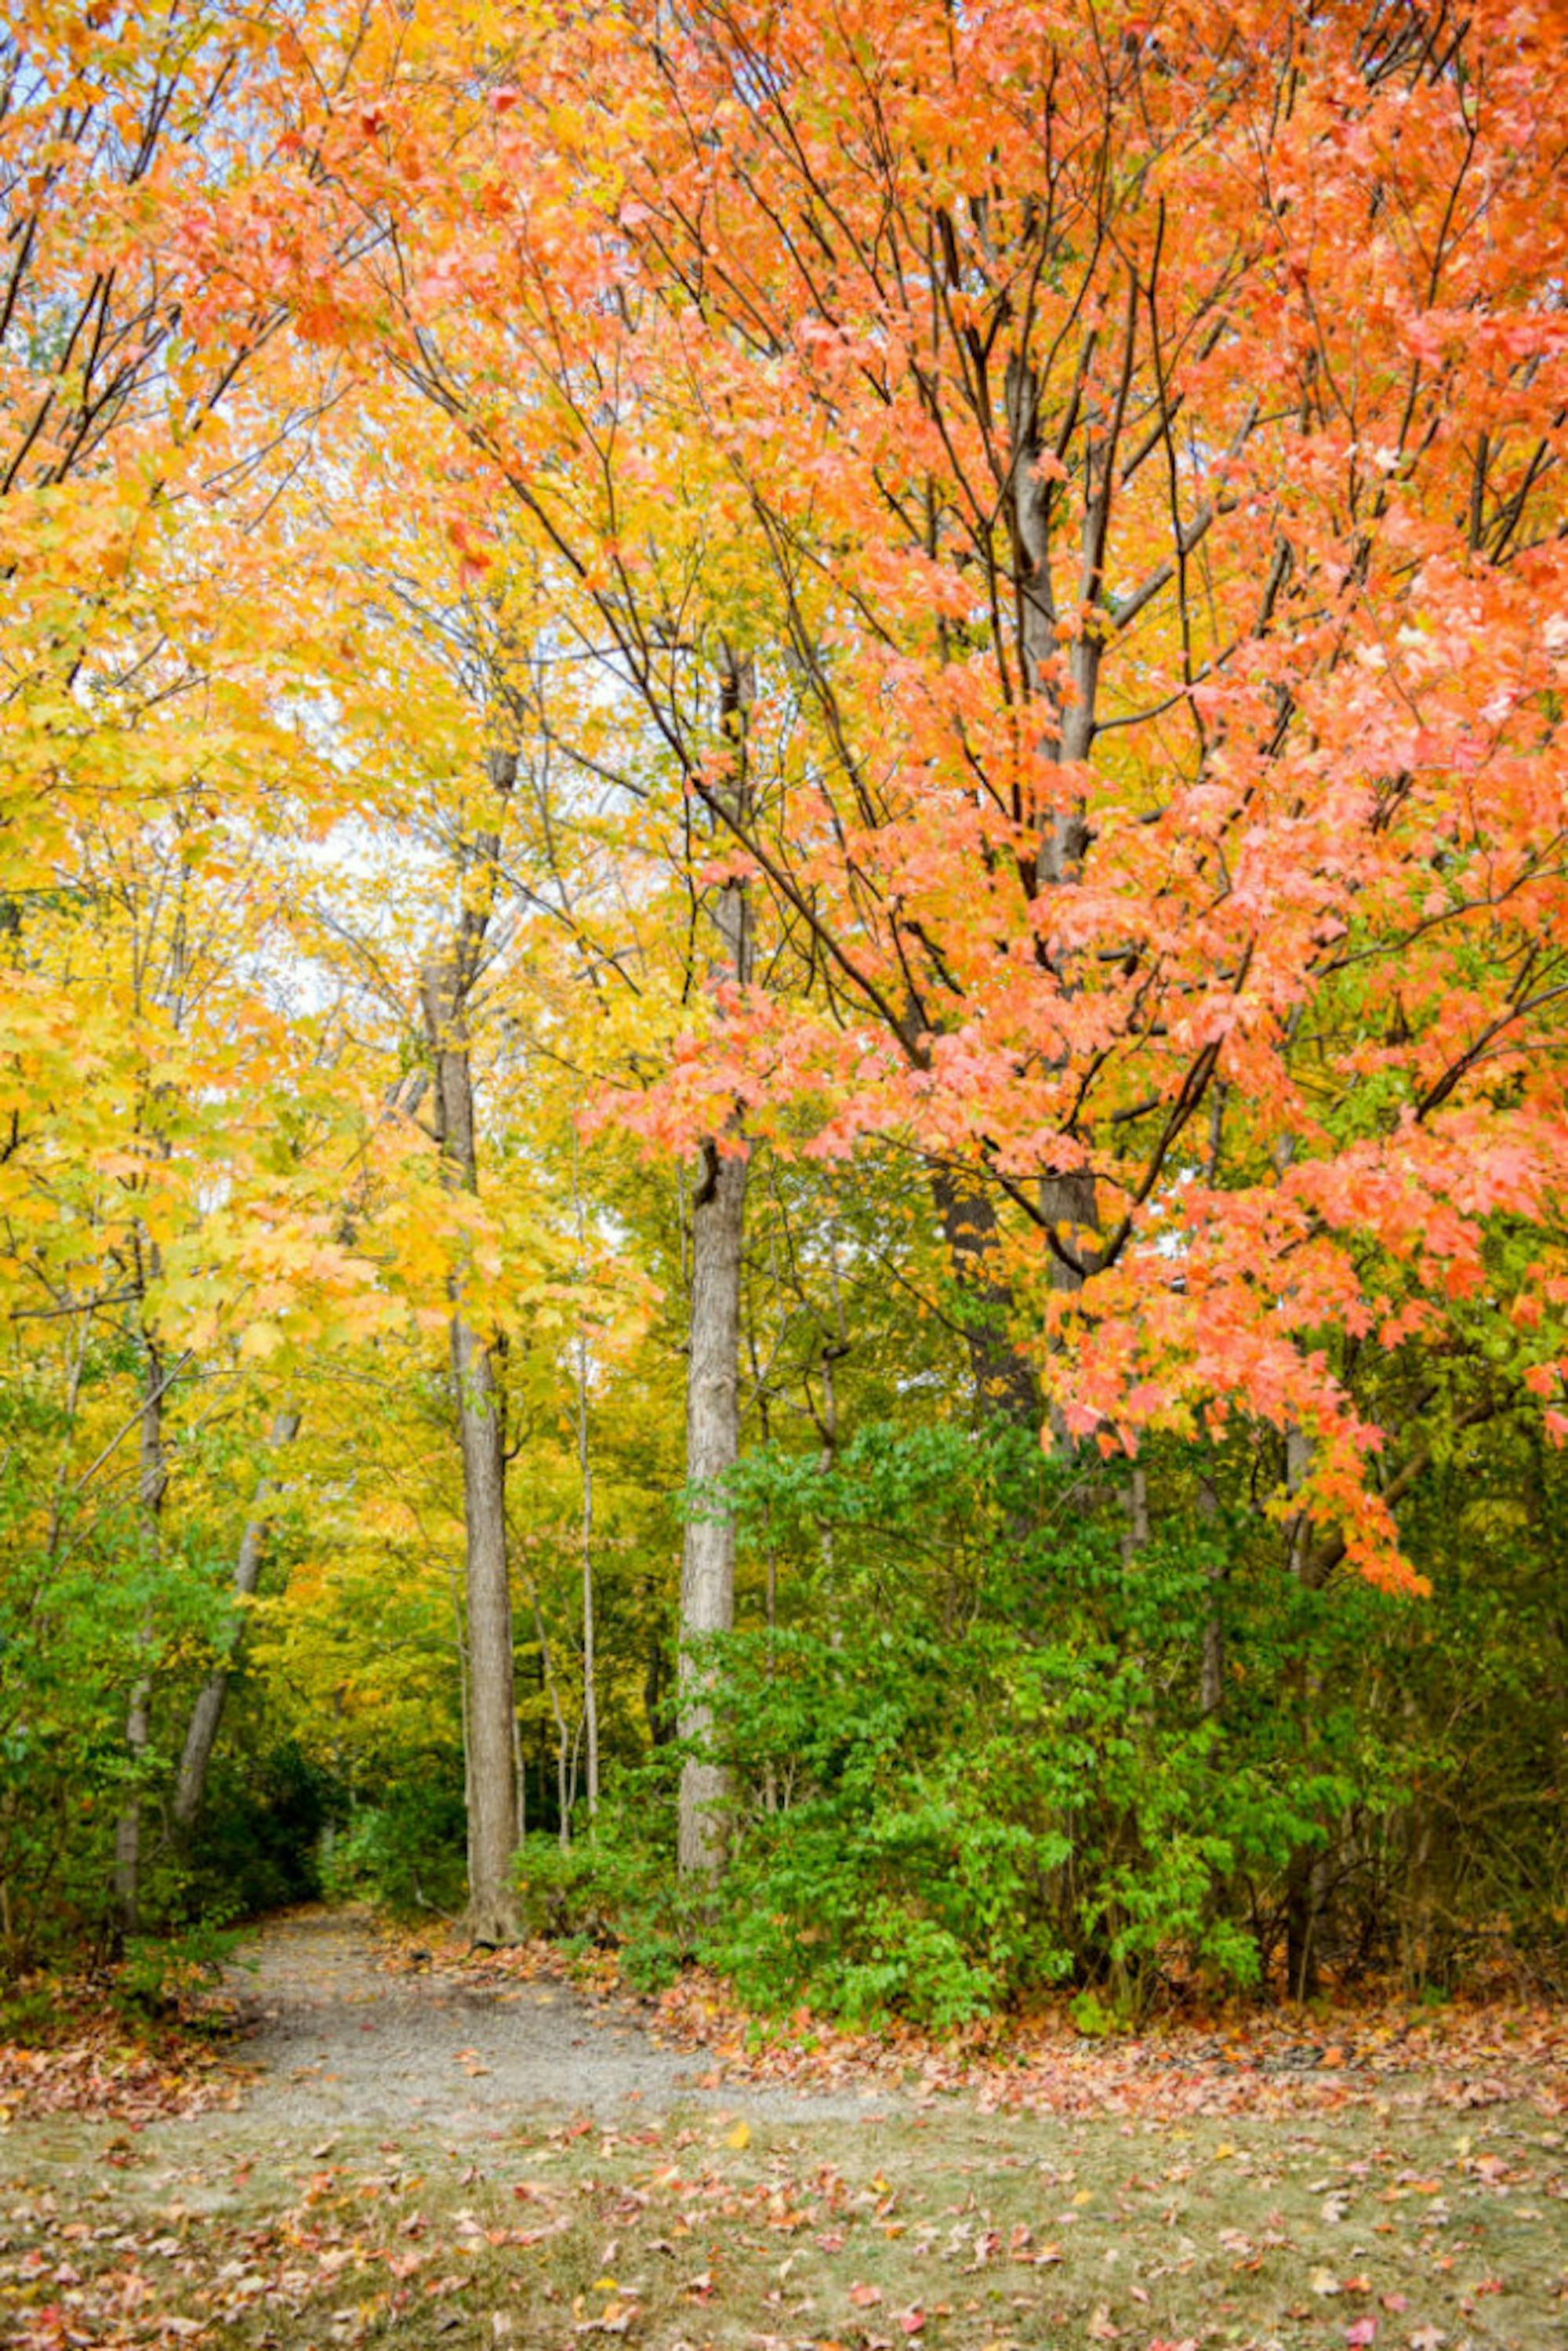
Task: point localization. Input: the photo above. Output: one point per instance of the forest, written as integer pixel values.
(784, 1021)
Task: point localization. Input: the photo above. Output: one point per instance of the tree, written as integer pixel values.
(1145, 718)
(713, 1341)
(447, 985)
(201, 1734)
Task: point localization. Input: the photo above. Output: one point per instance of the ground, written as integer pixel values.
(425, 2153)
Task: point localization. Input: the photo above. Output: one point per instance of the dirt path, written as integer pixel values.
(345, 2041)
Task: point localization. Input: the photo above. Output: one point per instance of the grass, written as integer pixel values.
(950, 2231)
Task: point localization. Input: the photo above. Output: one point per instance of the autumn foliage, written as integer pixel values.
(965, 608)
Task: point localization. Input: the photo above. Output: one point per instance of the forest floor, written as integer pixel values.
(414, 2150)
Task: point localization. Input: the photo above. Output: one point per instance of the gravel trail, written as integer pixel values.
(344, 2041)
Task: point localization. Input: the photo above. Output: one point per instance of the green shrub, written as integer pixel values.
(977, 1766)
(158, 1974)
(408, 1853)
(617, 1883)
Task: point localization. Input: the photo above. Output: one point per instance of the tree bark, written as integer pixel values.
(1068, 1201)
(713, 1362)
(201, 1734)
(590, 1686)
(152, 1481)
(585, 1474)
(493, 1787)
(712, 1445)
(562, 1734)
(1303, 1875)
(447, 985)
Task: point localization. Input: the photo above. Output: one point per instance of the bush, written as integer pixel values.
(886, 1857)
(617, 1884)
(158, 1974)
(408, 1853)
(978, 1764)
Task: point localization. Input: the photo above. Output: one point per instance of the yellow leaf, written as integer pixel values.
(740, 2137)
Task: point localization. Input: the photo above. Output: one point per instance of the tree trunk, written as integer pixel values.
(493, 1807)
(1068, 1202)
(1303, 1874)
(585, 1474)
(551, 1688)
(201, 1735)
(151, 1480)
(446, 984)
(589, 1688)
(713, 1362)
(712, 1445)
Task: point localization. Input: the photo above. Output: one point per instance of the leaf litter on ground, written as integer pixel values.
(1236, 2059)
(89, 2059)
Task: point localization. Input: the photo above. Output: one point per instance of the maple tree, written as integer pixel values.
(1158, 770)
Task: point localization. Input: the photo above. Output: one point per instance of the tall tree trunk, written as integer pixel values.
(713, 1446)
(589, 1688)
(151, 1480)
(201, 1734)
(1303, 1874)
(562, 1730)
(585, 1473)
(713, 1362)
(1002, 1381)
(447, 983)
(493, 1787)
